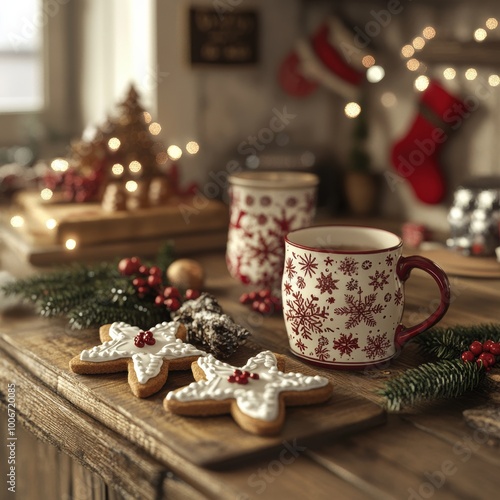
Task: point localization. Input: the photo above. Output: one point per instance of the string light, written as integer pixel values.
(407, 51)
(413, 64)
(117, 169)
(135, 167)
(471, 74)
(192, 147)
(46, 194)
(114, 143)
(421, 83)
(59, 165)
(147, 117)
(50, 224)
(494, 80)
(368, 61)
(17, 221)
(70, 244)
(480, 35)
(155, 128)
(175, 152)
(375, 74)
(429, 32)
(491, 23)
(449, 73)
(352, 109)
(131, 186)
(418, 43)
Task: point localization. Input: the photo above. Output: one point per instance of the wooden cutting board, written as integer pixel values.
(44, 348)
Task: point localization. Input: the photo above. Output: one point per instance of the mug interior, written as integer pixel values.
(344, 239)
(275, 180)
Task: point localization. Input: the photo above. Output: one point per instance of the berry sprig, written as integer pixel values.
(144, 338)
(239, 377)
(149, 284)
(262, 301)
(483, 353)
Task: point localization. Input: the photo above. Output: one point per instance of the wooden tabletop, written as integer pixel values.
(349, 448)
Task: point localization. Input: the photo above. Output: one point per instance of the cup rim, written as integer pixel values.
(344, 252)
(279, 179)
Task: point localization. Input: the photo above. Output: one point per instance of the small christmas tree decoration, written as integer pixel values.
(465, 355)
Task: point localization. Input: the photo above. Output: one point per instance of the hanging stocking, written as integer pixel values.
(415, 156)
(330, 58)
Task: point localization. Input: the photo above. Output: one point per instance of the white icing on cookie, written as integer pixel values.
(147, 360)
(259, 398)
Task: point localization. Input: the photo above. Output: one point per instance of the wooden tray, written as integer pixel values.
(45, 347)
(456, 264)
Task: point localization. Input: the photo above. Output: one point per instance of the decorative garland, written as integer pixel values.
(464, 355)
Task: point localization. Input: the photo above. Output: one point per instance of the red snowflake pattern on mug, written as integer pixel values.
(262, 219)
(377, 346)
(291, 202)
(387, 297)
(308, 264)
(352, 285)
(328, 261)
(301, 282)
(389, 260)
(345, 344)
(321, 352)
(300, 345)
(287, 287)
(331, 300)
(326, 283)
(379, 280)
(249, 200)
(366, 265)
(290, 268)
(398, 297)
(266, 250)
(348, 266)
(304, 315)
(265, 201)
(360, 309)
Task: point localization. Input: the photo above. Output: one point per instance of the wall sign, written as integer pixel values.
(228, 38)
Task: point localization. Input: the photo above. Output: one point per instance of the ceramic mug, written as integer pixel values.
(343, 295)
(264, 208)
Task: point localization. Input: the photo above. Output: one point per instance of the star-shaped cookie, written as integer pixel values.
(254, 394)
(147, 355)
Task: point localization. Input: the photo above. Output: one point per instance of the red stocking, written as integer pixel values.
(415, 156)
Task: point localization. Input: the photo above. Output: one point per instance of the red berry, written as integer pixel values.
(487, 345)
(154, 281)
(252, 296)
(495, 348)
(246, 374)
(476, 347)
(171, 292)
(468, 356)
(138, 341)
(488, 358)
(255, 305)
(150, 341)
(155, 271)
(192, 294)
(142, 290)
(231, 379)
(172, 304)
(265, 308)
(255, 376)
(237, 372)
(129, 266)
(245, 298)
(242, 380)
(137, 282)
(159, 300)
(144, 270)
(264, 294)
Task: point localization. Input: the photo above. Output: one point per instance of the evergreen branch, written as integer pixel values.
(445, 379)
(449, 343)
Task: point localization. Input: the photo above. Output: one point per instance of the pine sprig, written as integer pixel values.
(444, 379)
(449, 343)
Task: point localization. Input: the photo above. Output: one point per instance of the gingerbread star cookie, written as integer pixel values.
(147, 355)
(254, 394)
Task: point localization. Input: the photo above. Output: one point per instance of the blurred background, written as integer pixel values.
(210, 73)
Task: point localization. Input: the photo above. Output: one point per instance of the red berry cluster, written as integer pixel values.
(144, 338)
(262, 301)
(76, 186)
(483, 353)
(239, 377)
(148, 282)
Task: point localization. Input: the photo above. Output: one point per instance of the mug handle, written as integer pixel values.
(403, 270)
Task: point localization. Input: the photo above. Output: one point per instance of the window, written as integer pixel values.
(21, 86)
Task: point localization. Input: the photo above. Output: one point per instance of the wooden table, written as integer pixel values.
(88, 449)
